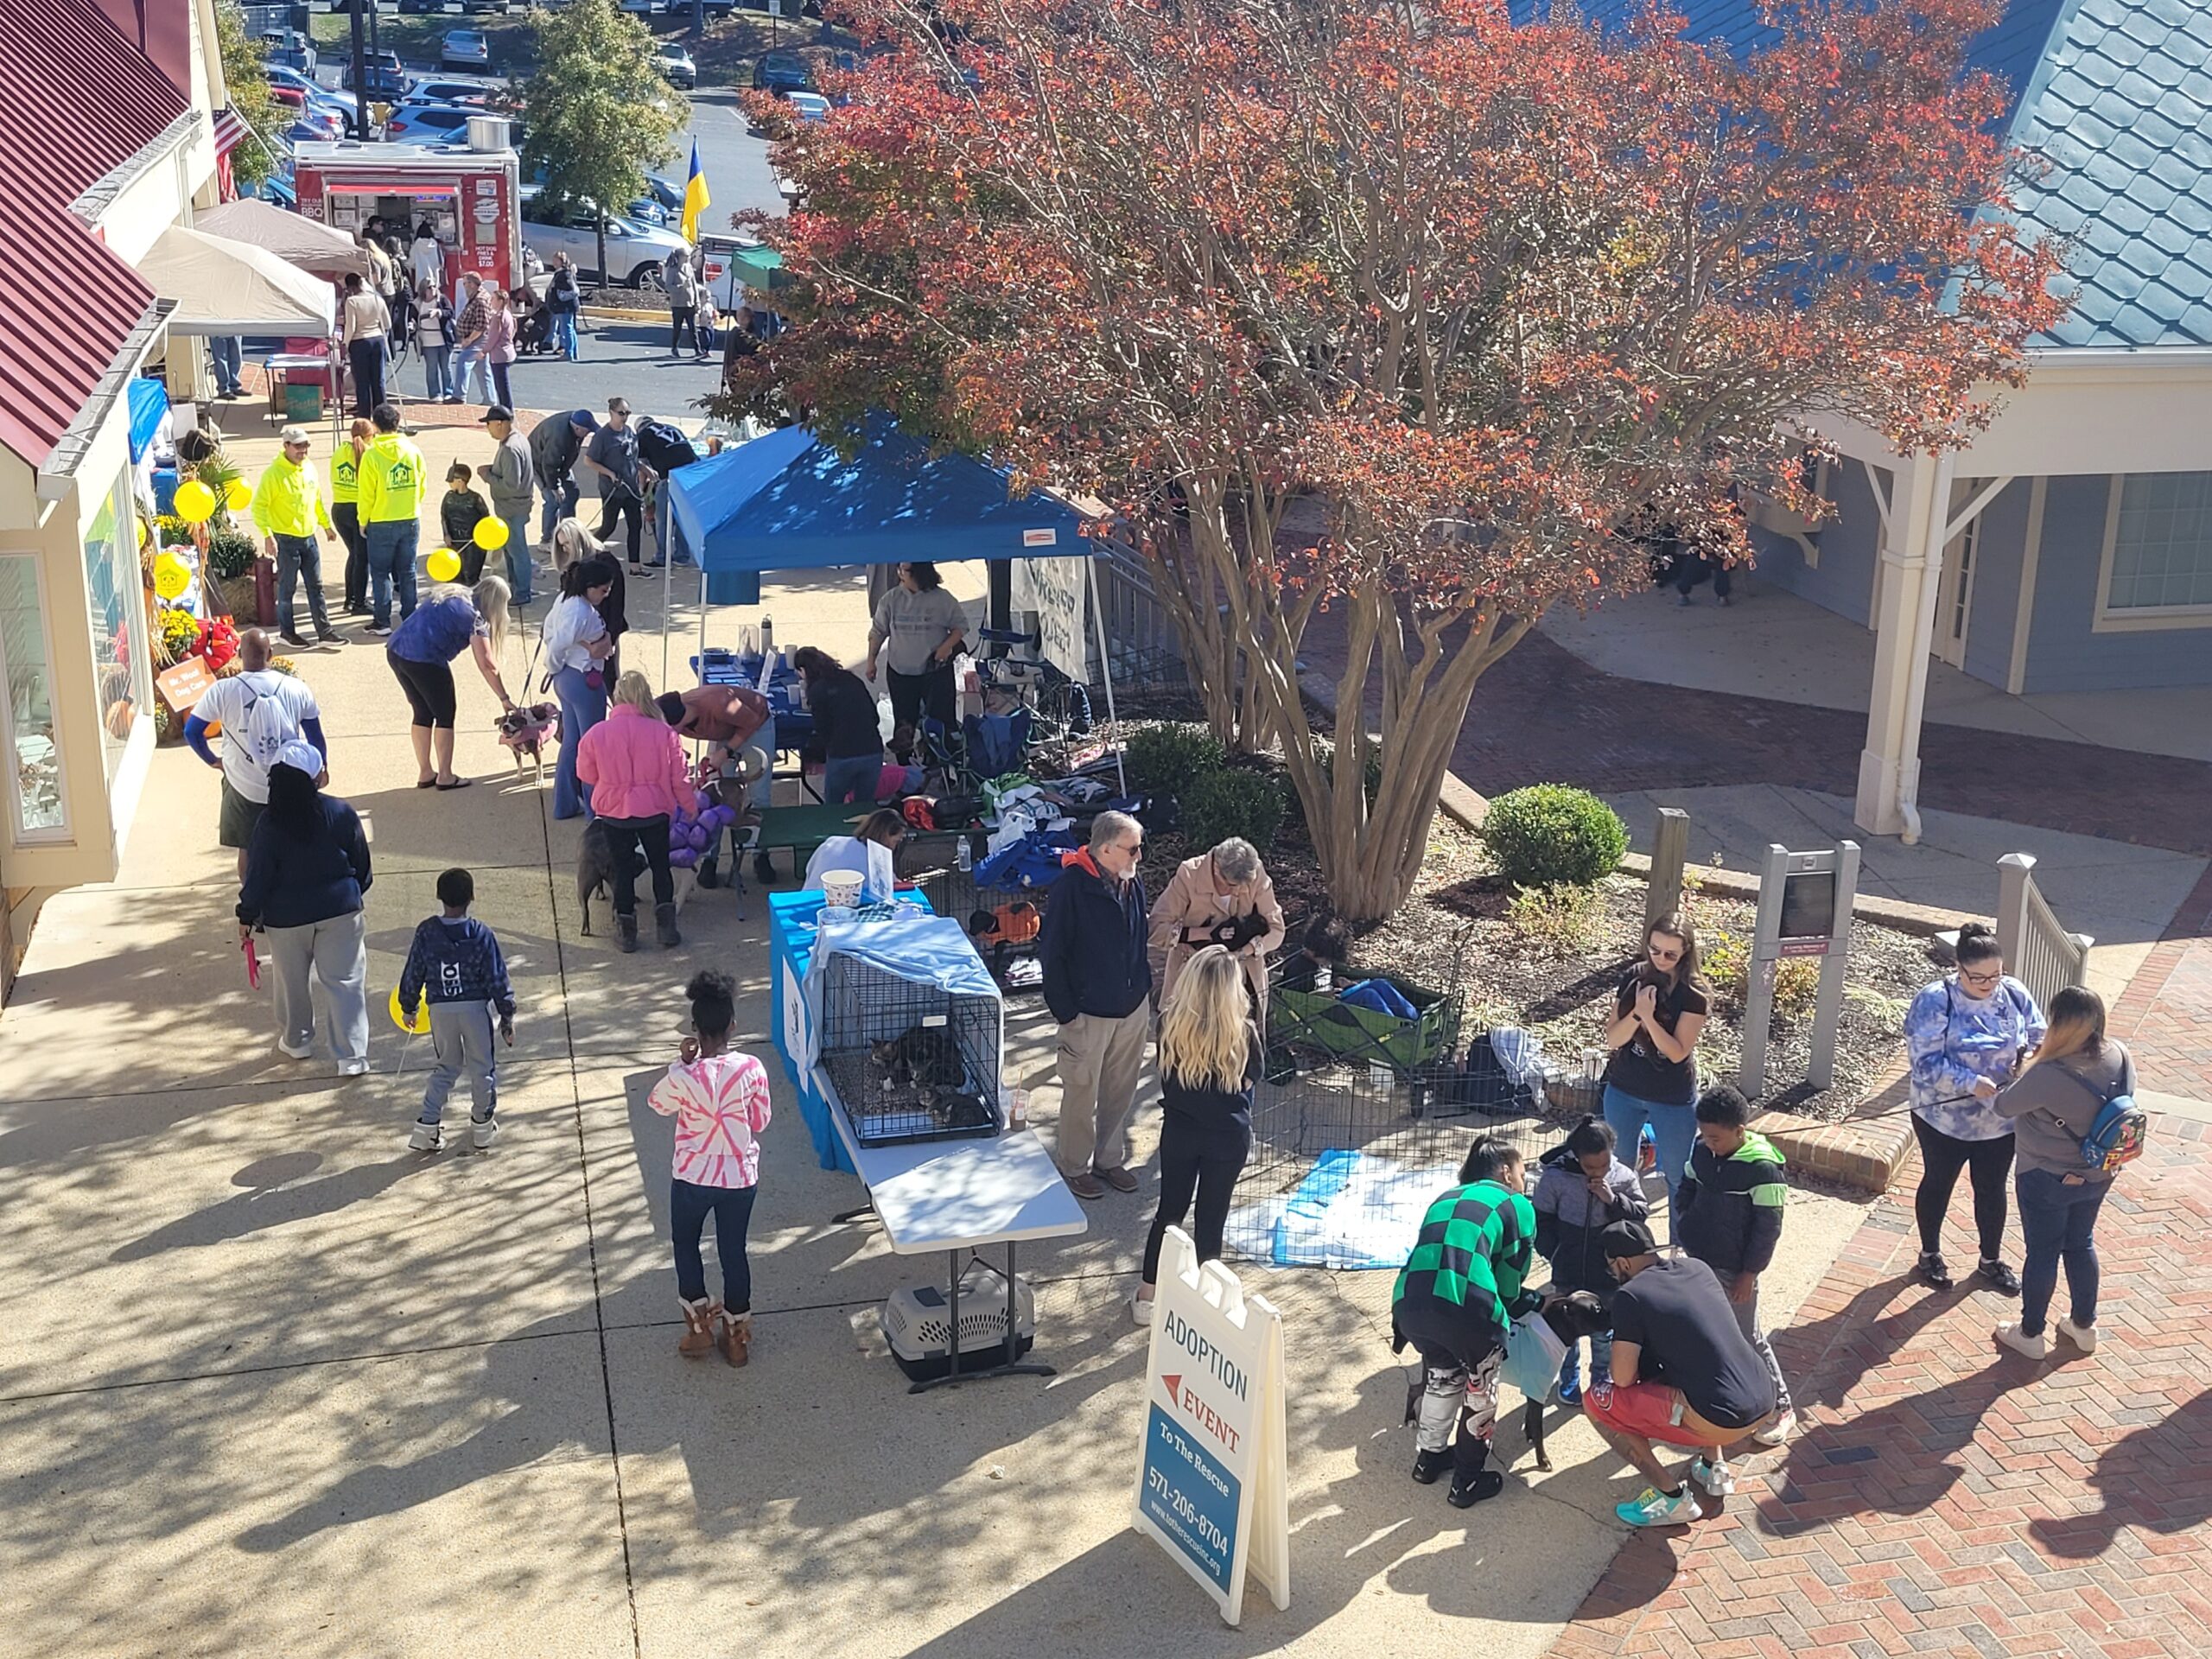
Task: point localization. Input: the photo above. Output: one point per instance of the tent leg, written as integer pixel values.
(1105, 667)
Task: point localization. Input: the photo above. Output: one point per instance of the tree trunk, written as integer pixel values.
(606, 282)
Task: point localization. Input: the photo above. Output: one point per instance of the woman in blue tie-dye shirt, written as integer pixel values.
(1967, 1035)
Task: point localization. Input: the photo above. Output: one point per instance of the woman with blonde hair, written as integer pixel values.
(421, 653)
(1209, 1059)
(2052, 1104)
(632, 763)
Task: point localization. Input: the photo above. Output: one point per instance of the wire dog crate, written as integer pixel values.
(911, 1060)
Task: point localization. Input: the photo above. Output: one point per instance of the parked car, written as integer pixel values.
(644, 7)
(428, 123)
(676, 66)
(634, 250)
(466, 91)
(317, 127)
(315, 93)
(809, 106)
(288, 48)
(464, 48)
(668, 193)
(387, 81)
(781, 72)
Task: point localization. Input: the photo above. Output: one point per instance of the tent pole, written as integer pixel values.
(1105, 668)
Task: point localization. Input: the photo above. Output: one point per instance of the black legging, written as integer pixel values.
(1942, 1158)
(346, 519)
(625, 836)
(430, 689)
(930, 692)
(1206, 1162)
(622, 502)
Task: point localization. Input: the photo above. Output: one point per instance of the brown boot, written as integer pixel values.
(699, 1316)
(737, 1338)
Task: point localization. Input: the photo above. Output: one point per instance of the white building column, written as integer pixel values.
(1912, 568)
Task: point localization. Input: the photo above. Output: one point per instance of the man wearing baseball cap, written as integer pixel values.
(1683, 1374)
(288, 509)
(507, 478)
(554, 446)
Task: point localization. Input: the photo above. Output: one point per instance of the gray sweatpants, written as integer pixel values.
(1747, 1319)
(336, 953)
(1101, 1060)
(461, 1037)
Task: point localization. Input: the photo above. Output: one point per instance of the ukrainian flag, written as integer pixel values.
(696, 199)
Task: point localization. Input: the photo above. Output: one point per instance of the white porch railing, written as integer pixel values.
(2038, 952)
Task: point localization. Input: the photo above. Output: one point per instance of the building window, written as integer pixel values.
(37, 806)
(2161, 557)
(112, 591)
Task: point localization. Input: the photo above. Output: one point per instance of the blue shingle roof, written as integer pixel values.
(2115, 97)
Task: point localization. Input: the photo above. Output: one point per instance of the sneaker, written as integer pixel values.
(1473, 1489)
(2083, 1336)
(1715, 1478)
(352, 1068)
(1122, 1178)
(1998, 1277)
(428, 1137)
(331, 639)
(1653, 1508)
(1142, 1309)
(1779, 1430)
(297, 642)
(2034, 1347)
(308, 1048)
(1570, 1391)
(1933, 1271)
(377, 633)
(1085, 1186)
(1429, 1466)
(482, 1131)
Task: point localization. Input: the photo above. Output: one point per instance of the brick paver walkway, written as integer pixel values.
(1949, 1497)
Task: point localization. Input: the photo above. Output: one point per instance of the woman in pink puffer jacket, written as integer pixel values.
(633, 763)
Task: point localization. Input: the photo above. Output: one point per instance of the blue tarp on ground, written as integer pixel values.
(150, 401)
(788, 501)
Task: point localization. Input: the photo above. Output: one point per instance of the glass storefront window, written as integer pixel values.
(111, 589)
(30, 729)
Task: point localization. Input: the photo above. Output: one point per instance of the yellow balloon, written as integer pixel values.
(421, 1024)
(444, 565)
(491, 534)
(194, 501)
(170, 578)
(237, 496)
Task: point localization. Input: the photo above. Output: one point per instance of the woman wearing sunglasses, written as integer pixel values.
(1967, 1035)
(1651, 1075)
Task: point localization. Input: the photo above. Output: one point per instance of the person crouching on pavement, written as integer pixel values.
(1684, 1375)
(1582, 1188)
(1456, 1298)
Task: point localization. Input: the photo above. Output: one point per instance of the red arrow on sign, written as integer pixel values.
(1173, 1385)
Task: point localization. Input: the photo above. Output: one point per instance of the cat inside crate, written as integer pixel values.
(922, 1064)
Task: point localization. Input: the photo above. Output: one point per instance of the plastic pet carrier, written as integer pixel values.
(917, 1323)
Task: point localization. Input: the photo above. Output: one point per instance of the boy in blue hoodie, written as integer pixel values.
(1728, 1215)
(456, 960)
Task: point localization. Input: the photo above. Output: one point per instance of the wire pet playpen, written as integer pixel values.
(907, 1026)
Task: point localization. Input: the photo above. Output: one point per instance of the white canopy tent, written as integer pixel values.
(302, 242)
(223, 287)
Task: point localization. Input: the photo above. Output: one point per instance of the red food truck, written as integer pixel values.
(470, 196)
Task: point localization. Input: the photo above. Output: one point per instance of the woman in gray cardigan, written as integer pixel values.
(2052, 1104)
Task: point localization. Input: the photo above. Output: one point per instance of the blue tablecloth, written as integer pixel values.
(791, 946)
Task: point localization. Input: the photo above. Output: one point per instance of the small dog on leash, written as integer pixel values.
(525, 731)
(1578, 1316)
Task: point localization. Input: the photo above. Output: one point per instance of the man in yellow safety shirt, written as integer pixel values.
(390, 499)
(288, 510)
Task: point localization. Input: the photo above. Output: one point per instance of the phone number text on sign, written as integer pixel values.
(1190, 1497)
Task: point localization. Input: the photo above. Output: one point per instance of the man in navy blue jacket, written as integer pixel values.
(456, 962)
(1097, 971)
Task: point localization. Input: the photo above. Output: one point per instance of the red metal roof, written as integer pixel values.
(71, 302)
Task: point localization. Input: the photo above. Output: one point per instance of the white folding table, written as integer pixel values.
(959, 1196)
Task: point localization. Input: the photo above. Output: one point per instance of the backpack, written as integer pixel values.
(267, 727)
(2117, 1132)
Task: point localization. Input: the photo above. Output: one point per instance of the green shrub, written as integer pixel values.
(1549, 835)
(230, 554)
(1725, 959)
(1325, 751)
(1563, 920)
(1219, 804)
(1168, 759)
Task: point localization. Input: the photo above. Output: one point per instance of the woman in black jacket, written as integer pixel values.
(1209, 1057)
(846, 725)
(306, 869)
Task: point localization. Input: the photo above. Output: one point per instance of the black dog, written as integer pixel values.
(1576, 1316)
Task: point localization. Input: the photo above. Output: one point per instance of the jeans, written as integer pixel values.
(517, 554)
(622, 502)
(437, 371)
(468, 372)
(228, 354)
(461, 1038)
(852, 778)
(582, 709)
(300, 557)
(564, 334)
(366, 357)
(1941, 1157)
(502, 389)
(1194, 1160)
(682, 318)
(1674, 1129)
(1601, 1360)
(559, 504)
(664, 521)
(626, 838)
(346, 519)
(391, 565)
(338, 952)
(2059, 1223)
(1747, 1321)
(689, 1206)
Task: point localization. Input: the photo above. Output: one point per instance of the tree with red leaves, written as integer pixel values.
(1399, 314)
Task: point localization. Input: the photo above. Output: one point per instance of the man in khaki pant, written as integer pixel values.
(1098, 985)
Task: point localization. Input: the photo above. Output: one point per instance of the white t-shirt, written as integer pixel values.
(572, 625)
(259, 713)
(869, 860)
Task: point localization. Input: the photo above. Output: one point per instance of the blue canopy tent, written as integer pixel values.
(788, 501)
